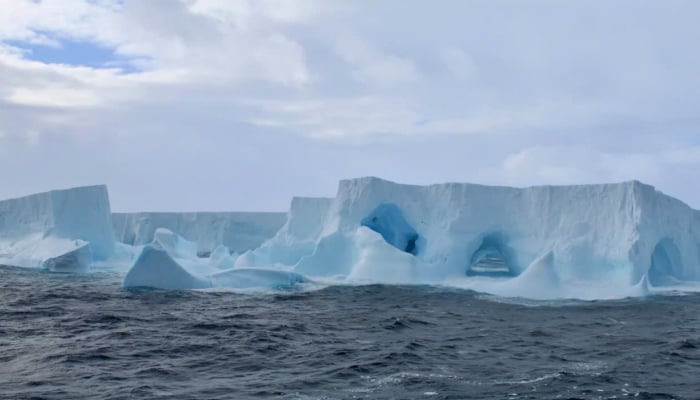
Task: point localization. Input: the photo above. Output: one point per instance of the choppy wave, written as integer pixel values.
(83, 336)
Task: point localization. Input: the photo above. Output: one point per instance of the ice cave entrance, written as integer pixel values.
(665, 264)
(388, 220)
(491, 259)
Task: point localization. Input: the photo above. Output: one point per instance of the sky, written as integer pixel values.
(183, 105)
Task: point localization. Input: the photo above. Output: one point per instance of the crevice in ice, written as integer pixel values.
(388, 220)
(411, 245)
(492, 258)
(665, 264)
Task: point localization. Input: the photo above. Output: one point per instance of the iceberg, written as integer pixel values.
(156, 268)
(238, 231)
(170, 262)
(75, 259)
(222, 258)
(545, 236)
(295, 239)
(49, 253)
(60, 230)
(581, 241)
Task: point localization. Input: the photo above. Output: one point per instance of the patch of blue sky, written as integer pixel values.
(77, 53)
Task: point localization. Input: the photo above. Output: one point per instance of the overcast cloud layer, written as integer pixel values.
(239, 105)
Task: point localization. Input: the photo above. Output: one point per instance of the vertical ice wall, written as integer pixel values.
(239, 231)
(296, 238)
(615, 233)
(79, 213)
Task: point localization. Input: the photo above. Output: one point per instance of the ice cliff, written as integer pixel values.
(61, 230)
(585, 241)
(296, 238)
(381, 231)
(239, 231)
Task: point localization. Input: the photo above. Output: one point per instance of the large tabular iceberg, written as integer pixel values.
(620, 235)
(61, 230)
(587, 241)
(238, 231)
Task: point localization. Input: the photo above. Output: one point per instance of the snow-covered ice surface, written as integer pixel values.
(548, 242)
(239, 231)
(61, 230)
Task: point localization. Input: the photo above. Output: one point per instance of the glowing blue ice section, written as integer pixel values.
(388, 221)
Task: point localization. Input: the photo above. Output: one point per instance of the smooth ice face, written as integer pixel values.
(56, 228)
(388, 220)
(77, 259)
(156, 268)
(50, 253)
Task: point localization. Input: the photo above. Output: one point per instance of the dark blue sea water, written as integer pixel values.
(84, 337)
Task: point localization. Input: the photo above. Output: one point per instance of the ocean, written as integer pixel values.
(84, 337)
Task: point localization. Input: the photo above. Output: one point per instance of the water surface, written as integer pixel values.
(84, 337)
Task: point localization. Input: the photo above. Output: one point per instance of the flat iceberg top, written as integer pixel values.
(371, 180)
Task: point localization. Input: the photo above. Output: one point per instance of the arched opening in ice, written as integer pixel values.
(388, 220)
(492, 258)
(665, 264)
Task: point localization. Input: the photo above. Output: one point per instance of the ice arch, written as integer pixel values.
(388, 220)
(665, 263)
(492, 258)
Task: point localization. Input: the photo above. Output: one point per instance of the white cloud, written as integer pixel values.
(375, 66)
(458, 63)
(53, 97)
(521, 95)
(170, 36)
(561, 164)
(245, 13)
(33, 137)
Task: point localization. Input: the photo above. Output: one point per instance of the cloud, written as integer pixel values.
(304, 92)
(458, 63)
(560, 164)
(375, 66)
(170, 35)
(53, 97)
